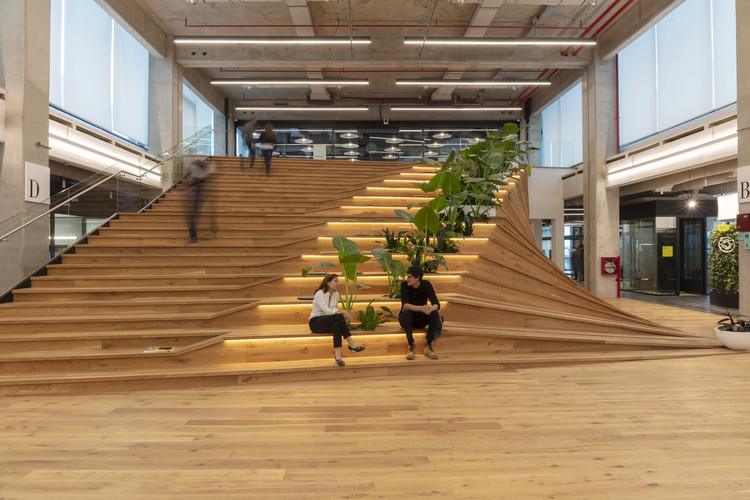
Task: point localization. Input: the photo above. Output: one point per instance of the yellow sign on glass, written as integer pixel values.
(667, 251)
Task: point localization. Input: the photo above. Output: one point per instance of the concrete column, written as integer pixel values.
(743, 134)
(165, 109)
(24, 66)
(601, 222)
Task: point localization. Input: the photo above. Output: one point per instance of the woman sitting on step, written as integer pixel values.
(326, 318)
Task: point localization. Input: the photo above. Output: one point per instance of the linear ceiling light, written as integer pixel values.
(300, 108)
(499, 41)
(289, 82)
(198, 40)
(472, 83)
(458, 108)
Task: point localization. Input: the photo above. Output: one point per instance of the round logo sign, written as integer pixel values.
(726, 244)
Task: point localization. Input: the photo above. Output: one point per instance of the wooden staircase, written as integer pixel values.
(228, 308)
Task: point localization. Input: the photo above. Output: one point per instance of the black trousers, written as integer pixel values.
(251, 154)
(331, 323)
(411, 319)
(267, 154)
(195, 210)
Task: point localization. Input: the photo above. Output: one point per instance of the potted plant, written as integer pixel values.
(724, 267)
(733, 333)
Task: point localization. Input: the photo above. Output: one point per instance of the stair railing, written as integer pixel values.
(82, 208)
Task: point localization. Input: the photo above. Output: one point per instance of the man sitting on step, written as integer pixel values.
(415, 312)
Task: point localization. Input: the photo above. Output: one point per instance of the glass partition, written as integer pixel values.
(45, 229)
(371, 144)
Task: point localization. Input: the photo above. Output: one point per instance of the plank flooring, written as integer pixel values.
(670, 428)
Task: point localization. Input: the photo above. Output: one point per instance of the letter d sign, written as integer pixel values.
(37, 183)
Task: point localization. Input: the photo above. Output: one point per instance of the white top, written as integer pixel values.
(321, 301)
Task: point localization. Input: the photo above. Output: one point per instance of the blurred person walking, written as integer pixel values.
(248, 129)
(267, 145)
(199, 172)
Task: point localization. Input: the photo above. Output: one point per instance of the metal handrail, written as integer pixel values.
(4, 238)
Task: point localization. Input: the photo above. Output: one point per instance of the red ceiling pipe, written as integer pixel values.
(541, 75)
(531, 94)
(376, 101)
(187, 25)
(605, 25)
(586, 31)
(421, 70)
(617, 103)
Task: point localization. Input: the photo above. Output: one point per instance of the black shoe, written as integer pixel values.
(340, 362)
(359, 348)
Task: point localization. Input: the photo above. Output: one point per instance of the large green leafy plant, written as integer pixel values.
(349, 258)
(723, 261)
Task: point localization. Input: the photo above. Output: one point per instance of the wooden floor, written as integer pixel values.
(676, 428)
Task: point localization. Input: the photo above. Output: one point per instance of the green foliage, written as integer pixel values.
(395, 270)
(731, 324)
(724, 268)
(349, 258)
(370, 318)
(393, 241)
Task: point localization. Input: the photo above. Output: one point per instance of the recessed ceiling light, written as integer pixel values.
(201, 40)
(457, 108)
(260, 83)
(499, 41)
(300, 108)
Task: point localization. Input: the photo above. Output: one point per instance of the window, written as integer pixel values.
(196, 116)
(98, 72)
(682, 68)
(562, 130)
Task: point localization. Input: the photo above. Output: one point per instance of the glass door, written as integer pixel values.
(692, 256)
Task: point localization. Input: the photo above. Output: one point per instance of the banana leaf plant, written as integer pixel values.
(350, 258)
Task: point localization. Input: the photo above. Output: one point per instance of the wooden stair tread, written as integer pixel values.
(446, 360)
(113, 334)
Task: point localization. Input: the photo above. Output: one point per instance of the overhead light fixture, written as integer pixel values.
(431, 153)
(303, 140)
(691, 203)
(351, 153)
(260, 83)
(393, 149)
(473, 83)
(349, 145)
(442, 135)
(434, 145)
(394, 140)
(308, 149)
(271, 40)
(499, 41)
(457, 108)
(349, 135)
(300, 108)
(390, 157)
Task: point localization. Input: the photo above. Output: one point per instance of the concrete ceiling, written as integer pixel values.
(386, 59)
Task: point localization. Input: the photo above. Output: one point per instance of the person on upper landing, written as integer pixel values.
(416, 312)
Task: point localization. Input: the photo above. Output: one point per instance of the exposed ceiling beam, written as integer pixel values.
(383, 53)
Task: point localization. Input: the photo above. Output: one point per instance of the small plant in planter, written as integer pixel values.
(729, 324)
(734, 333)
(369, 319)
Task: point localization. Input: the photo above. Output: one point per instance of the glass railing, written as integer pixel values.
(371, 144)
(35, 235)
